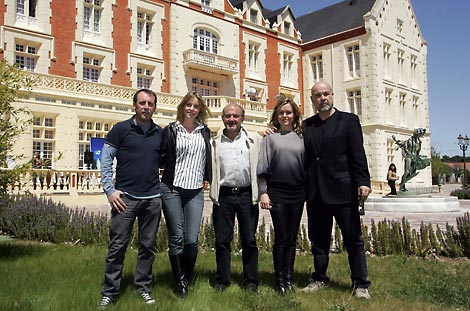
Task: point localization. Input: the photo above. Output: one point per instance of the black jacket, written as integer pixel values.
(168, 154)
(339, 167)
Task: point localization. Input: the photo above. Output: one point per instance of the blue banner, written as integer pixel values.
(96, 145)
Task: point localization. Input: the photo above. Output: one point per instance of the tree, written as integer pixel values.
(438, 168)
(14, 121)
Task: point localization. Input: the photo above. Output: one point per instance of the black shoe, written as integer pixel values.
(281, 289)
(252, 287)
(220, 287)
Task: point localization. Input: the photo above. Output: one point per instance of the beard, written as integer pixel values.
(325, 107)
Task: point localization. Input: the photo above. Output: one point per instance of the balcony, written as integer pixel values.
(200, 60)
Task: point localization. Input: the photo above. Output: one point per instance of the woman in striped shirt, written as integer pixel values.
(186, 159)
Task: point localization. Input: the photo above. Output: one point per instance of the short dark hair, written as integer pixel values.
(149, 92)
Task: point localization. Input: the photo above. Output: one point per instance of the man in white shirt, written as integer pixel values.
(234, 192)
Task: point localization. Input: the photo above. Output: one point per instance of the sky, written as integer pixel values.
(445, 25)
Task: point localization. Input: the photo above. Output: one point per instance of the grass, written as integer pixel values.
(36, 276)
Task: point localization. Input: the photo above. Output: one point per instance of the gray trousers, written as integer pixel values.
(148, 213)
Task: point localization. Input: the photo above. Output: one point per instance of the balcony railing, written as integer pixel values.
(210, 62)
(50, 85)
(76, 182)
(44, 181)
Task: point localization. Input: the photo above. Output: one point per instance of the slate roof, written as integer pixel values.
(333, 19)
(237, 3)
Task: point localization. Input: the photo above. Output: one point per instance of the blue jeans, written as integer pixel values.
(183, 211)
(148, 213)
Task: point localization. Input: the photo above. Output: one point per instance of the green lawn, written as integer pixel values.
(37, 276)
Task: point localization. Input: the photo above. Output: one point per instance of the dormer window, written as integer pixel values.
(287, 27)
(254, 16)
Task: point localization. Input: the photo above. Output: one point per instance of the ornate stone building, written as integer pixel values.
(89, 57)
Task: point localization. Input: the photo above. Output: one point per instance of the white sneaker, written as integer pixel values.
(362, 293)
(147, 298)
(106, 302)
(313, 286)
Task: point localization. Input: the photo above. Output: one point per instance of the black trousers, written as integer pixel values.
(393, 189)
(320, 223)
(239, 205)
(286, 222)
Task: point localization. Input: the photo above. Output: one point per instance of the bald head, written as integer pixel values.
(322, 99)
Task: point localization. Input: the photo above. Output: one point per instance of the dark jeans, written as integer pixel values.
(183, 211)
(147, 212)
(240, 205)
(286, 222)
(320, 223)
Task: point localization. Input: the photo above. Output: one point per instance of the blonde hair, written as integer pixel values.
(204, 112)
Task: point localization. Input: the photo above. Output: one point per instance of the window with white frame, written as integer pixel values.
(387, 54)
(401, 64)
(415, 111)
(88, 128)
(254, 16)
(287, 62)
(27, 7)
(26, 55)
(144, 28)
(206, 41)
(354, 60)
(390, 150)
(44, 138)
(92, 10)
(205, 87)
(388, 105)
(287, 28)
(316, 62)
(399, 27)
(206, 2)
(355, 102)
(414, 70)
(144, 77)
(253, 54)
(92, 66)
(402, 102)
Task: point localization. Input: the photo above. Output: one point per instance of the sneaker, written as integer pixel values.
(220, 287)
(106, 302)
(147, 298)
(362, 293)
(252, 287)
(313, 286)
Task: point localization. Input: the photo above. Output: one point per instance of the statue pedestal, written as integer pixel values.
(412, 203)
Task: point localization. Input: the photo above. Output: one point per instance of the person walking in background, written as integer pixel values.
(186, 158)
(234, 192)
(392, 178)
(135, 143)
(337, 178)
(281, 186)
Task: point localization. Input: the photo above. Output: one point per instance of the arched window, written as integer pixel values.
(205, 40)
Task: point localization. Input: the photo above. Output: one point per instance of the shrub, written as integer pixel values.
(461, 194)
(31, 218)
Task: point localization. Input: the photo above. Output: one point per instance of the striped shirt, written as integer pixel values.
(190, 158)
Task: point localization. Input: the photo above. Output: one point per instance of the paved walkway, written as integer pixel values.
(415, 219)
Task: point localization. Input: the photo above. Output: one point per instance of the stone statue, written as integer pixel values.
(410, 149)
